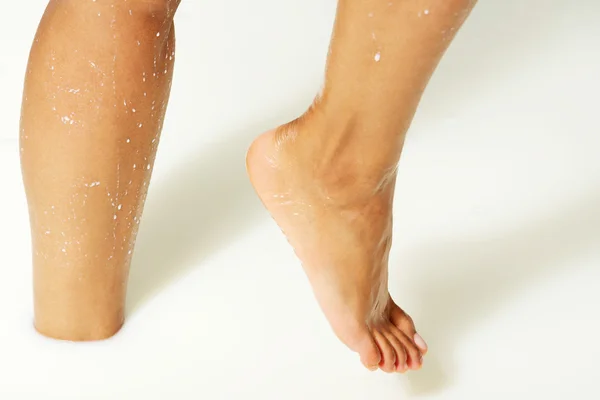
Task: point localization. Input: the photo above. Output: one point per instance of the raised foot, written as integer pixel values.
(339, 222)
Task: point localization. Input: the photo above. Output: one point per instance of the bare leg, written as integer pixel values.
(96, 91)
(328, 178)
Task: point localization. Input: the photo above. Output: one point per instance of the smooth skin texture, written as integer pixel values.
(328, 177)
(95, 96)
(96, 91)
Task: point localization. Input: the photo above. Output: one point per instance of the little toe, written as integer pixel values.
(369, 353)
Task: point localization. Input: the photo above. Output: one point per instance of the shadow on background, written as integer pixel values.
(203, 205)
(467, 279)
(206, 202)
(497, 40)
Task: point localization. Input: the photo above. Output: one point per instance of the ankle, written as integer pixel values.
(347, 151)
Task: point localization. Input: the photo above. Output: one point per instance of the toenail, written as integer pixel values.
(420, 342)
(374, 368)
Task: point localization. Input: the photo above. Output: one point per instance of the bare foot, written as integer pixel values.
(336, 212)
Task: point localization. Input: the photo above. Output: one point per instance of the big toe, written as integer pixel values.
(404, 329)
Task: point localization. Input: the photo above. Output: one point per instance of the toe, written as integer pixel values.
(401, 365)
(420, 343)
(404, 322)
(369, 352)
(414, 358)
(388, 355)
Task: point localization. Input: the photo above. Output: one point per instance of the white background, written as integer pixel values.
(497, 245)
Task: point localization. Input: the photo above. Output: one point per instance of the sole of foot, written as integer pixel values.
(339, 223)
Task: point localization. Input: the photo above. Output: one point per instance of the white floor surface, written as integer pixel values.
(497, 236)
